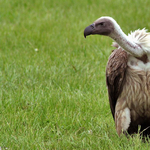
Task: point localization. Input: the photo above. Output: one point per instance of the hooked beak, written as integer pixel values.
(89, 30)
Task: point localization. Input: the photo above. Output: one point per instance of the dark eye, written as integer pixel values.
(101, 24)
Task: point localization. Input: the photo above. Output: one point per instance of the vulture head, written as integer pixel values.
(102, 26)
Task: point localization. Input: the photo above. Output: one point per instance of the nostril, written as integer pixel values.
(92, 26)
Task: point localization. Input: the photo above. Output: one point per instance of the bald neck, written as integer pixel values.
(123, 40)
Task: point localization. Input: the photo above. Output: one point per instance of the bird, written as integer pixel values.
(127, 76)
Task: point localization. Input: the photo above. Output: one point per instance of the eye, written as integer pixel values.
(102, 24)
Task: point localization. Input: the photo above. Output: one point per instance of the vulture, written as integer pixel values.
(127, 76)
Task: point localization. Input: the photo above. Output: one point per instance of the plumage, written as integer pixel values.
(127, 76)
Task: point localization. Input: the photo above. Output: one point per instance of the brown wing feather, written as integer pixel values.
(115, 72)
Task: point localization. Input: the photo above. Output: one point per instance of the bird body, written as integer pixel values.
(127, 76)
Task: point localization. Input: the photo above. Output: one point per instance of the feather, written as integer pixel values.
(142, 38)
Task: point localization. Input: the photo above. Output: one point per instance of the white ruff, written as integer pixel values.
(142, 38)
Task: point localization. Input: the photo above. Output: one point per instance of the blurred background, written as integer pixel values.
(53, 92)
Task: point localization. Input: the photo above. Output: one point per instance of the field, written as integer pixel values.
(53, 92)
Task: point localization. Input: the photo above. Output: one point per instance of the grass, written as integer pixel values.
(53, 93)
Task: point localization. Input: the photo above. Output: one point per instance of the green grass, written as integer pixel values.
(56, 97)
